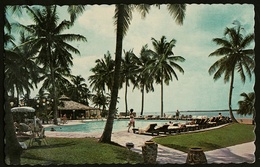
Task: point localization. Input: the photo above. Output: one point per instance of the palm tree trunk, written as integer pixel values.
(230, 98)
(142, 107)
(126, 107)
(13, 149)
(106, 136)
(55, 104)
(162, 98)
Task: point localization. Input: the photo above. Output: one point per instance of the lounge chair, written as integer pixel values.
(174, 129)
(177, 128)
(39, 138)
(192, 127)
(212, 121)
(163, 128)
(21, 136)
(149, 129)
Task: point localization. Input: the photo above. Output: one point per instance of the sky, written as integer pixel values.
(195, 89)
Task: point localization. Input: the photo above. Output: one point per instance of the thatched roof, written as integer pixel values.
(67, 104)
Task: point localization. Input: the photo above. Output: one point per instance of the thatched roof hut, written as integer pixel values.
(74, 109)
(67, 104)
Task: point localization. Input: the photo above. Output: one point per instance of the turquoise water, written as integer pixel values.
(98, 126)
(120, 125)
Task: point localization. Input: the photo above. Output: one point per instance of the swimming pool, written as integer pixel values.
(98, 126)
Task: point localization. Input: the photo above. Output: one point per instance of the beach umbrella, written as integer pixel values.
(22, 109)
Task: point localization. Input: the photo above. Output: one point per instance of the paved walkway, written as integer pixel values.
(234, 154)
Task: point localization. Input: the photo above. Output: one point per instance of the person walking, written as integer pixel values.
(132, 120)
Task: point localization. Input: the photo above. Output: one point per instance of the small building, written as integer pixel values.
(75, 110)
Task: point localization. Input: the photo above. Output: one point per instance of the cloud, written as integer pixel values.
(98, 19)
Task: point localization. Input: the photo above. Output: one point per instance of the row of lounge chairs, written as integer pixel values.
(195, 124)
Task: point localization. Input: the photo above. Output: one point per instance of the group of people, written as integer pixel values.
(64, 118)
(132, 120)
(23, 128)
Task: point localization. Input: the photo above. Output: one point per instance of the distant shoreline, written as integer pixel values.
(208, 110)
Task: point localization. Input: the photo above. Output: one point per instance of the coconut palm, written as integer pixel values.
(13, 150)
(53, 50)
(127, 72)
(12, 81)
(78, 90)
(234, 57)
(143, 81)
(100, 100)
(163, 64)
(62, 81)
(123, 17)
(103, 74)
(246, 106)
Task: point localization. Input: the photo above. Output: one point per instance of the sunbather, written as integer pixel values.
(149, 129)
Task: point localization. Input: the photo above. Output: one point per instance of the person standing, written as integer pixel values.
(132, 120)
(177, 114)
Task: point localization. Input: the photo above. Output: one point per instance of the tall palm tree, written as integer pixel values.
(246, 106)
(78, 90)
(51, 45)
(143, 81)
(127, 72)
(234, 56)
(164, 62)
(100, 100)
(62, 81)
(103, 74)
(123, 16)
(32, 72)
(13, 149)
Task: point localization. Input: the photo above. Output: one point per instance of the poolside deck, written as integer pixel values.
(234, 154)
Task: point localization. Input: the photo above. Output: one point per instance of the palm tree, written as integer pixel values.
(103, 74)
(13, 150)
(123, 16)
(163, 63)
(246, 106)
(142, 75)
(127, 72)
(234, 56)
(101, 101)
(51, 45)
(78, 90)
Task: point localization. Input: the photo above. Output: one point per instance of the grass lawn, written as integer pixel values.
(78, 151)
(209, 140)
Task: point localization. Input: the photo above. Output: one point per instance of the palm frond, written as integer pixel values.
(75, 11)
(143, 9)
(72, 37)
(248, 39)
(125, 15)
(177, 11)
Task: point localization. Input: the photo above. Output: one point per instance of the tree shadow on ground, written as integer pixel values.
(209, 146)
(55, 145)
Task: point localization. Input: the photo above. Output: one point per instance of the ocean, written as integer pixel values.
(208, 113)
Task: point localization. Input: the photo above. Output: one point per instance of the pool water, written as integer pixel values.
(98, 126)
